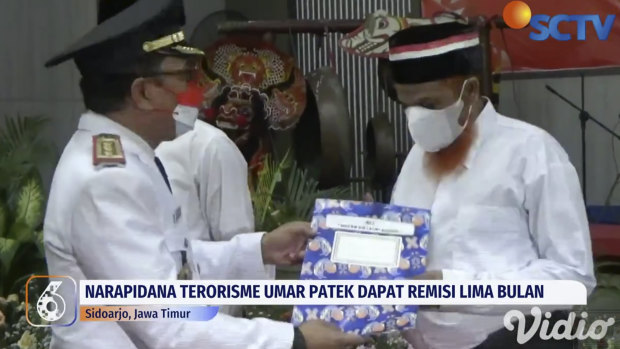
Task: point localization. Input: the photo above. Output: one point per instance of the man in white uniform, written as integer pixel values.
(111, 214)
(208, 176)
(504, 197)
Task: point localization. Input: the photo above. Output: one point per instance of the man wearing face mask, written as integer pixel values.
(209, 179)
(504, 197)
(209, 175)
(111, 214)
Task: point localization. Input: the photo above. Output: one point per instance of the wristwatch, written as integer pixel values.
(299, 342)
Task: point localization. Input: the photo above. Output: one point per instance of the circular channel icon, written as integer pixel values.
(51, 306)
(517, 14)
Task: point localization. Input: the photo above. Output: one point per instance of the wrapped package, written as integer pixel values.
(364, 241)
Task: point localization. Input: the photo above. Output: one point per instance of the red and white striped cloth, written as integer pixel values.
(434, 48)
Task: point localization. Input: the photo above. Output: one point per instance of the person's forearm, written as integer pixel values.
(239, 258)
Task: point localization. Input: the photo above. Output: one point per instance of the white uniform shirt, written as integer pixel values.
(514, 212)
(209, 178)
(117, 223)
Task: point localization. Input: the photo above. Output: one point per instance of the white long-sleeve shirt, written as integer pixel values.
(209, 178)
(121, 223)
(515, 211)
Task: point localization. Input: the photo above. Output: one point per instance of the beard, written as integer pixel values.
(450, 159)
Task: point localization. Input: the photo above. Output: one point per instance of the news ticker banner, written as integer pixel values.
(62, 300)
(331, 292)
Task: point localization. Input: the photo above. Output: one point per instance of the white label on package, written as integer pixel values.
(369, 225)
(366, 249)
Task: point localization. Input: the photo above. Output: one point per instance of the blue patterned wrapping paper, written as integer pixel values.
(318, 266)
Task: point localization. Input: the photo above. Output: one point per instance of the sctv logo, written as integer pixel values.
(518, 15)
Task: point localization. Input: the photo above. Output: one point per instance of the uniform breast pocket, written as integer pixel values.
(486, 232)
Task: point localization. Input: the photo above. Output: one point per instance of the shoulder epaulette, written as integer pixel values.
(108, 151)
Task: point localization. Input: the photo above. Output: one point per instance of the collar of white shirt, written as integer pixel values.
(485, 124)
(97, 124)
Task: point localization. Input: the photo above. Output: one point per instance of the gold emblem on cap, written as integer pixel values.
(188, 50)
(108, 151)
(150, 46)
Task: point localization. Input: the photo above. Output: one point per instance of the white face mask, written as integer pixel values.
(184, 118)
(433, 129)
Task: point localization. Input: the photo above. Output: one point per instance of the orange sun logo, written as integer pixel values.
(517, 14)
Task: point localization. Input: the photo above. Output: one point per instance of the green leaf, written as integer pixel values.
(4, 213)
(30, 204)
(25, 262)
(285, 192)
(22, 150)
(20, 130)
(268, 179)
(38, 240)
(305, 193)
(260, 195)
(21, 232)
(8, 248)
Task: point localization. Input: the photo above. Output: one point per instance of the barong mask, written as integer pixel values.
(239, 111)
(258, 65)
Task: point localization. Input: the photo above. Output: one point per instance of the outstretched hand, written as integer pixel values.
(286, 245)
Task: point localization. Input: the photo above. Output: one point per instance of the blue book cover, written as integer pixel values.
(364, 241)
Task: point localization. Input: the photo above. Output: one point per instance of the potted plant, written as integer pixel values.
(22, 204)
(284, 192)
